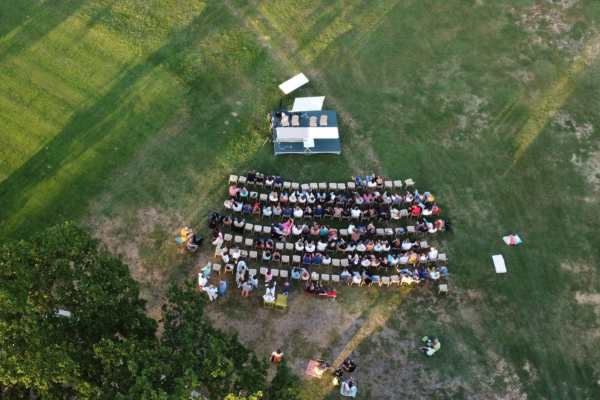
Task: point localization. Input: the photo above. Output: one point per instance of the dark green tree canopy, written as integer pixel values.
(102, 345)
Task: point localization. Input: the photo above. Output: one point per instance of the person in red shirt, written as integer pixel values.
(415, 211)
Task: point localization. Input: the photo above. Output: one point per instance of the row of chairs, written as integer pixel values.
(383, 233)
(403, 213)
(289, 247)
(332, 186)
(326, 278)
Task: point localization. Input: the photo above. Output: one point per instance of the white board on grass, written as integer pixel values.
(293, 83)
(499, 264)
(302, 104)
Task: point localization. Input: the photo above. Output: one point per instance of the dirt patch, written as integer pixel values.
(589, 167)
(548, 25)
(588, 298)
(582, 131)
(136, 239)
(578, 268)
(310, 325)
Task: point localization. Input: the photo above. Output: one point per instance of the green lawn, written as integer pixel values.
(128, 116)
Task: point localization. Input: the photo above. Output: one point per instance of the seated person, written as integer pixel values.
(243, 192)
(321, 245)
(247, 288)
(266, 256)
(317, 259)
(326, 260)
(299, 245)
(269, 296)
(349, 365)
(433, 254)
(276, 256)
(268, 276)
(235, 253)
(306, 259)
(432, 345)
(296, 273)
(319, 211)
(310, 247)
(233, 191)
(212, 292)
(267, 211)
(444, 271)
(202, 281)
(284, 198)
(237, 206)
(297, 230)
(345, 275)
(277, 211)
(315, 230)
(356, 278)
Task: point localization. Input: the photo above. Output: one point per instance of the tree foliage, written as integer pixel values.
(108, 348)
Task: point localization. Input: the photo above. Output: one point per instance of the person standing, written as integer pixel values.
(276, 356)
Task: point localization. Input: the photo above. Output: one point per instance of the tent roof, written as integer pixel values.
(317, 146)
(308, 104)
(301, 133)
(293, 83)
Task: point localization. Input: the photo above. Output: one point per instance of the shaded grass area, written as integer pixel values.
(110, 108)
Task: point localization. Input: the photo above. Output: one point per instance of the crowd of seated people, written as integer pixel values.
(289, 229)
(382, 205)
(258, 178)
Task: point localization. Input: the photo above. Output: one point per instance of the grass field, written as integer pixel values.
(128, 115)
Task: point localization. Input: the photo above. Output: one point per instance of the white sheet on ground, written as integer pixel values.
(293, 83)
(499, 264)
(308, 104)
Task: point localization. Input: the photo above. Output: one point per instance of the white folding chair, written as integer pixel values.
(216, 268)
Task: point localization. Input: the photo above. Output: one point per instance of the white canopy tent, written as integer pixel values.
(293, 83)
(299, 134)
(308, 104)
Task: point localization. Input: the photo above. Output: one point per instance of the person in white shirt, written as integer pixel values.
(267, 211)
(202, 281)
(212, 292)
(321, 246)
(309, 247)
(433, 254)
(355, 213)
(298, 212)
(406, 245)
(299, 245)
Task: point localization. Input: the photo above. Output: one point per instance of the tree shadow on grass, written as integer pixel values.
(33, 21)
(57, 181)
